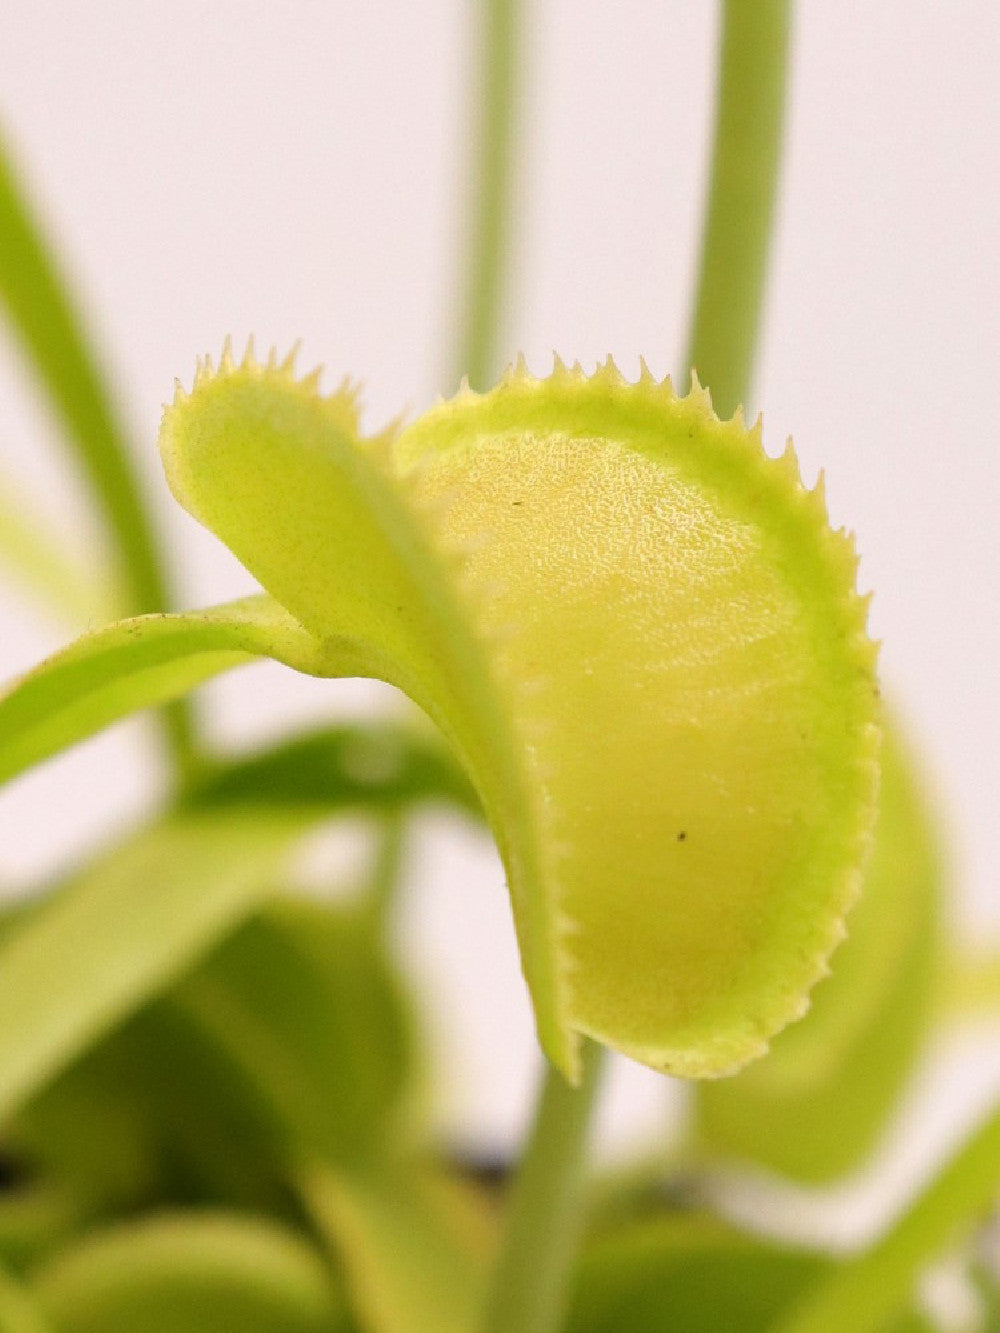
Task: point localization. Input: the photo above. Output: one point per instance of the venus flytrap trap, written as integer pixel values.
(602, 594)
(684, 663)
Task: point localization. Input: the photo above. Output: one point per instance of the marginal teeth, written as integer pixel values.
(226, 363)
(789, 461)
(516, 373)
(818, 495)
(608, 373)
(249, 361)
(698, 395)
(287, 367)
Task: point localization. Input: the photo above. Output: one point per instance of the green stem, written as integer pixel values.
(865, 1295)
(489, 241)
(388, 868)
(50, 331)
(529, 1282)
(741, 196)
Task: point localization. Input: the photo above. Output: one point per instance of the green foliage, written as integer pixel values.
(687, 1276)
(413, 1251)
(123, 928)
(178, 1273)
(643, 665)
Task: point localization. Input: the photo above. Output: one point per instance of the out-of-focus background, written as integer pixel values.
(301, 171)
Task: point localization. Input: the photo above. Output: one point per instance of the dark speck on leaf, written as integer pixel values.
(682, 836)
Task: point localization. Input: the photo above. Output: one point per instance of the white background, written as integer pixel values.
(297, 171)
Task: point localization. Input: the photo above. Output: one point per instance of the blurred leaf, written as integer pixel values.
(868, 1293)
(35, 559)
(19, 1312)
(81, 1135)
(303, 999)
(692, 1274)
(816, 1104)
(687, 1275)
(43, 318)
(122, 930)
(192, 1273)
(208, 1137)
(987, 1289)
(292, 1036)
(134, 664)
(34, 1216)
(413, 1250)
(374, 766)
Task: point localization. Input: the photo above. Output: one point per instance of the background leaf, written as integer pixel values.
(192, 1273)
(687, 1275)
(694, 1275)
(371, 766)
(19, 1313)
(123, 930)
(43, 317)
(39, 563)
(412, 1247)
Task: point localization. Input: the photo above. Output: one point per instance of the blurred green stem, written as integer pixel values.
(386, 876)
(544, 1213)
(42, 316)
(742, 189)
(866, 1295)
(489, 240)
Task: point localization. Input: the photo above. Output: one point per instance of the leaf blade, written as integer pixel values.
(121, 930)
(412, 1262)
(184, 1273)
(134, 664)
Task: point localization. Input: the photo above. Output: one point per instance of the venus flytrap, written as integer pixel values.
(642, 643)
(623, 615)
(645, 643)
